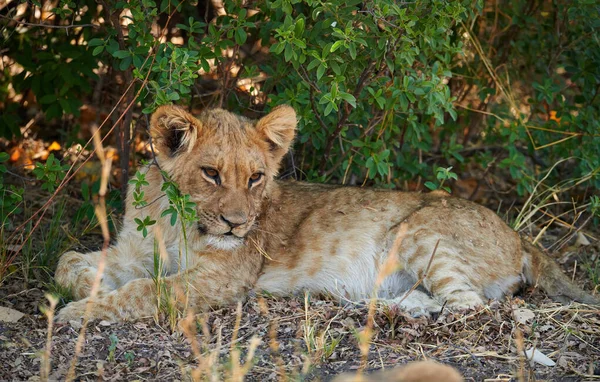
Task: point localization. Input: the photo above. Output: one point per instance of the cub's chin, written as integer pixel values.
(223, 242)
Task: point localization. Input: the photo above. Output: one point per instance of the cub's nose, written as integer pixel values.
(234, 221)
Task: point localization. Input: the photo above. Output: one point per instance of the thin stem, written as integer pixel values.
(50, 25)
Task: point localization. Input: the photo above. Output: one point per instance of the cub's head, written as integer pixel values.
(225, 162)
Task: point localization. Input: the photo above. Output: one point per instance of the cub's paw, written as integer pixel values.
(100, 309)
(74, 311)
(422, 312)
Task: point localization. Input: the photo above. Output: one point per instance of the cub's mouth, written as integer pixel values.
(203, 230)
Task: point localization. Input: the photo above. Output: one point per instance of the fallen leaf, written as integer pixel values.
(10, 315)
(75, 324)
(15, 154)
(523, 316)
(537, 356)
(581, 240)
(54, 146)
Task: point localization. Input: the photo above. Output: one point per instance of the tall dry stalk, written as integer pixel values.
(239, 371)
(389, 267)
(520, 343)
(49, 312)
(100, 210)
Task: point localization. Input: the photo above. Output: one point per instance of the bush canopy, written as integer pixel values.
(387, 92)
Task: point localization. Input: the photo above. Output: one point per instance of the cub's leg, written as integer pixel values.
(474, 255)
(78, 270)
(394, 291)
(449, 279)
(208, 284)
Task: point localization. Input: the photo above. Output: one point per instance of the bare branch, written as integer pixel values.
(314, 109)
(362, 81)
(50, 25)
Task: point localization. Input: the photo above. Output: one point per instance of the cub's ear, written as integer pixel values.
(278, 128)
(173, 130)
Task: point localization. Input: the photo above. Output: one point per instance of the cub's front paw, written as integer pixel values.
(74, 311)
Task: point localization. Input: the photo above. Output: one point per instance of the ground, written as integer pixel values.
(315, 340)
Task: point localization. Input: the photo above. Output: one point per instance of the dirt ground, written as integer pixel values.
(483, 344)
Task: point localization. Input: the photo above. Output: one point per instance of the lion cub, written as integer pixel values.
(255, 232)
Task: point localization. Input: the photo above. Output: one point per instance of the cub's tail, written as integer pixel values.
(540, 270)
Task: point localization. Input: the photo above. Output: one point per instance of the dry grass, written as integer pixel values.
(268, 335)
(101, 214)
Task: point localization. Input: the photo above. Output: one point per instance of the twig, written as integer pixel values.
(362, 81)
(422, 278)
(314, 109)
(341, 158)
(50, 25)
(124, 131)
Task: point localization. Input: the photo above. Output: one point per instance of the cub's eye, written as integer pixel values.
(212, 174)
(254, 178)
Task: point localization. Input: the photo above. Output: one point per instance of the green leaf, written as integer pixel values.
(452, 113)
(348, 98)
(54, 111)
(352, 50)
(121, 54)
(288, 52)
(320, 71)
(313, 64)
(299, 43)
(95, 42)
(337, 45)
(390, 65)
(125, 63)
(431, 185)
(240, 36)
(299, 27)
(47, 99)
(137, 61)
(328, 109)
(97, 50)
(336, 68)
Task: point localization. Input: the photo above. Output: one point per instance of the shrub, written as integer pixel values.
(386, 91)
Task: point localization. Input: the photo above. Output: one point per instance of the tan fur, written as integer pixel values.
(423, 371)
(286, 237)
